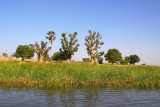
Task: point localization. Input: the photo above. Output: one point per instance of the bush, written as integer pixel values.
(86, 59)
(125, 61)
(59, 56)
(47, 58)
(100, 60)
(4, 54)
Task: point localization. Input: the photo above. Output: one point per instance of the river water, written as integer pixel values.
(79, 97)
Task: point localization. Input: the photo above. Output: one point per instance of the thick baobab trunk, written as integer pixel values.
(40, 58)
(92, 57)
(92, 60)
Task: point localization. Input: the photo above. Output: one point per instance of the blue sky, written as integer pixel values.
(131, 26)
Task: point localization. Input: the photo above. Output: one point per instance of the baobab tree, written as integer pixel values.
(51, 37)
(93, 44)
(69, 47)
(42, 50)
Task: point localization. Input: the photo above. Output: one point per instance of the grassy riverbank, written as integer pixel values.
(50, 75)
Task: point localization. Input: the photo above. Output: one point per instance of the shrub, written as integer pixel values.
(86, 59)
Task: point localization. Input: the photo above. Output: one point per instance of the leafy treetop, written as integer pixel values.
(134, 59)
(93, 44)
(24, 51)
(69, 47)
(113, 55)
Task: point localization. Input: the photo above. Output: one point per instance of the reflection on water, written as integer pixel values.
(94, 97)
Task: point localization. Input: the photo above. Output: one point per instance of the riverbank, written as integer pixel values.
(51, 75)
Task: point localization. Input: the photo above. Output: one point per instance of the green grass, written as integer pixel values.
(51, 75)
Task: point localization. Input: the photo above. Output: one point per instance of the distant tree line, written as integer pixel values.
(69, 46)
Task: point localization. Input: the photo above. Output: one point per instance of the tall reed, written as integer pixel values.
(50, 75)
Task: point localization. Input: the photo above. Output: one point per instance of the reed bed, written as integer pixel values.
(51, 75)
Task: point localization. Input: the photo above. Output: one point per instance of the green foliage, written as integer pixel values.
(69, 47)
(59, 56)
(46, 58)
(53, 75)
(51, 37)
(125, 61)
(24, 51)
(134, 59)
(4, 54)
(100, 60)
(86, 59)
(93, 44)
(14, 55)
(42, 50)
(113, 56)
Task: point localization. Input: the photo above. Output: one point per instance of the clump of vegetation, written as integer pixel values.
(5, 54)
(24, 51)
(86, 59)
(77, 74)
(134, 59)
(93, 44)
(47, 58)
(69, 47)
(59, 56)
(125, 61)
(100, 60)
(113, 56)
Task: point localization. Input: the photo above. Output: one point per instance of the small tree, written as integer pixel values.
(41, 51)
(69, 47)
(24, 51)
(86, 60)
(51, 38)
(4, 54)
(93, 44)
(134, 59)
(113, 55)
(100, 60)
(125, 61)
(59, 56)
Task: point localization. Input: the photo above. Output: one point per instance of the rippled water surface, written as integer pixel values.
(79, 97)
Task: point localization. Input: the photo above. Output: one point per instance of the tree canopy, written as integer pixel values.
(113, 56)
(93, 44)
(5, 54)
(71, 46)
(134, 59)
(86, 59)
(24, 51)
(59, 56)
(51, 37)
(125, 61)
